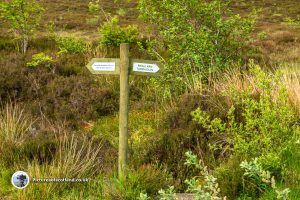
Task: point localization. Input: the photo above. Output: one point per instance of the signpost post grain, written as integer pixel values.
(123, 67)
(124, 104)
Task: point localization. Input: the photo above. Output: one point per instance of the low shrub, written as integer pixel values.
(93, 21)
(112, 34)
(13, 81)
(169, 150)
(70, 65)
(254, 127)
(261, 180)
(93, 6)
(43, 43)
(40, 59)
(146, 179)
(261, 123)
(72, 45)
(202, 187)
(290, 157)
(195, 39)
(77, 99)
(229, 174)
(107, 128)
(71, 98)
(7, 44)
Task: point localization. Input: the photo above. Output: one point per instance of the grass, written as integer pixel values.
(74, 158)
(292, 80)
(14, 124)
(158, 136)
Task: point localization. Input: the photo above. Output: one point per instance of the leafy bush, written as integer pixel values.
(262, 179)
(290, 158)
(167, 194)
(204, 187)
(254, 127)
(196, 38)
(93, 6)
(261, 123)
(112, 34)
(210, 188)
(38, 59)
(143, 197)
(24, 17)
(72, 45)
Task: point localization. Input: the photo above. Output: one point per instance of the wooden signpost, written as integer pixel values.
(123, 67)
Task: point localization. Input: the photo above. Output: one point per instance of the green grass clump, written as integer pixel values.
(142, 131)
(146, 179)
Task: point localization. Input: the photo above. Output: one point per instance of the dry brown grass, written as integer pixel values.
(14, 124)
(75, 158)
(231, 80)
(234, 80)
(291, 79)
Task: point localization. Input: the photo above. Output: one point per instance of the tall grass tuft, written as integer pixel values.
(14, 124)
(74, 158)
(77, 158)
(238, 80)
(292, 82)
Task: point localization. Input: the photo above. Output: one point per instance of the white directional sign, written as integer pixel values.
(145, 67)
(104, 66)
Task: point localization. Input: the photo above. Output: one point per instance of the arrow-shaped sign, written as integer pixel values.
(145, 67)
(104, 66)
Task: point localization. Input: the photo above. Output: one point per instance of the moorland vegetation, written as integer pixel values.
(220, 122)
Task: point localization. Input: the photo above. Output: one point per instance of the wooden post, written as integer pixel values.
(121, 66)
(123, 113)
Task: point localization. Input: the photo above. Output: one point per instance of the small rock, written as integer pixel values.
(184, 196)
